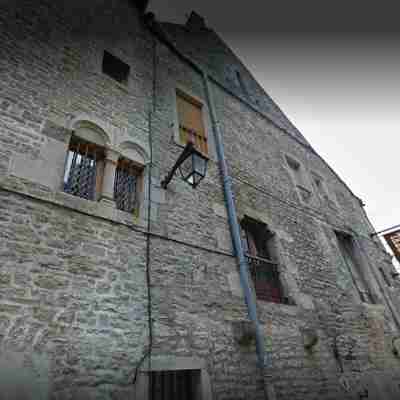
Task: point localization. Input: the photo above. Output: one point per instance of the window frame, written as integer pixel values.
(174, 363)
(346, 245)
(261, 261)
(191, 97)
(139, 187)
(167, 381)
(76, 141)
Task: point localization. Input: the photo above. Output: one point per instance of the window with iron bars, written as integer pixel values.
(83, 168)
(126, 186)
(259, 249)
(175, 385)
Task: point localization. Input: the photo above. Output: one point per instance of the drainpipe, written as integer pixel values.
(263, 357)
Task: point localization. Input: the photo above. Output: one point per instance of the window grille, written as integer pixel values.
(173, 385)
(265, 276)
(126, 186)
(257, 243)
(191, 125)
(81, 168)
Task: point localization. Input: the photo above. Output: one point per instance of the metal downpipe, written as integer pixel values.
(234, 227)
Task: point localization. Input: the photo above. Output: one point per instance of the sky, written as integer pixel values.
(334, 69)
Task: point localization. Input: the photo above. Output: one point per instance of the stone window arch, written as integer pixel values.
(261, 253)
(95, 170)
(128, 185)
(130, 173)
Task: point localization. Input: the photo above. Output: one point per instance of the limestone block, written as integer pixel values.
(234, 284)
(220, 210)
(223, 237)
(24, 377)
(47, 170)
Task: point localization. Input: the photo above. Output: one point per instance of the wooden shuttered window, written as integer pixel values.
(191, 124)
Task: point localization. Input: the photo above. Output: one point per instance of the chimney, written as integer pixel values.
(195, 22)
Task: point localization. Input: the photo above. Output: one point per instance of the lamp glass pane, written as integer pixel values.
(199, 164)
(186, 167)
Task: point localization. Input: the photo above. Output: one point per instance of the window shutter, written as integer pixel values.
(191, 122)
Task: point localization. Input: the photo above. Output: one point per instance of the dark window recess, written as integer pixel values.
(259, 249)
(126, 186)
(114, 67)
(174, 385)
(80, 178)
(354, 265)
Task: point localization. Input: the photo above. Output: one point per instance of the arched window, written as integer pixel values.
(85, 161)
(127, 185)
(260, 253)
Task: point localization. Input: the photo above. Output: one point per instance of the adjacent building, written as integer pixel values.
(114, 286)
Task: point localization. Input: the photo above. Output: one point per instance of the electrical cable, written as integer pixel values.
(148, 230)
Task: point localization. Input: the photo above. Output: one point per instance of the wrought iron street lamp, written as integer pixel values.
(192, 166)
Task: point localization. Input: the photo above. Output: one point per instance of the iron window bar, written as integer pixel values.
(172, 385)
(265, 276)
(125, 186)
(81, 169)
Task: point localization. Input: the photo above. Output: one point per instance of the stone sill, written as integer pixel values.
(290, 309)
(65, 200)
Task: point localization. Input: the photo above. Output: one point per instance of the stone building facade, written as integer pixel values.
(115, 288)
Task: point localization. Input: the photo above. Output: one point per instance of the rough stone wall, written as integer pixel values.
(207, 48)
(74, 306)
(311, 265)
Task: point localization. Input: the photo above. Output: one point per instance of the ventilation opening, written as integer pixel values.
(115, 68)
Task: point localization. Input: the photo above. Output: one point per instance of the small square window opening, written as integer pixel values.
(260, 253)
(115, 68)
